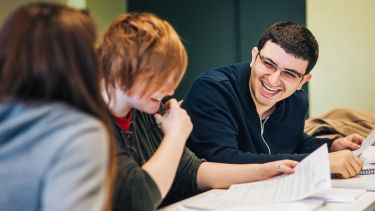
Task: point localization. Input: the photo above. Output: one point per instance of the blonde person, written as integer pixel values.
(54, 142)
(143, 60)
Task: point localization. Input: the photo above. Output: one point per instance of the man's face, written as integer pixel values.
(275, 75)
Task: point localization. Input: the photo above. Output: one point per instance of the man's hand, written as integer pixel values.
(344, 164)
(351, 142)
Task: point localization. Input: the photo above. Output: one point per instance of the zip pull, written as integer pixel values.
(261, 133)
(261, 128)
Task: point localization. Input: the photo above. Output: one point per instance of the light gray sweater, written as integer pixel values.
(52, 157)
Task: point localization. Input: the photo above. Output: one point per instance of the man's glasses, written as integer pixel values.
(287, 74)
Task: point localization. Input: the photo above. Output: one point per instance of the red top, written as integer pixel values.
(123, 122)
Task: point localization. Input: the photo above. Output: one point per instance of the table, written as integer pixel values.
(365, 202)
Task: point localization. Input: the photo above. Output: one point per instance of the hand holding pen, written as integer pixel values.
(175, 121)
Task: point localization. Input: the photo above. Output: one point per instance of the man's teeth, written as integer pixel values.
(269, 88)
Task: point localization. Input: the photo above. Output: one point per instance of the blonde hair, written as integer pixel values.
(141, 48)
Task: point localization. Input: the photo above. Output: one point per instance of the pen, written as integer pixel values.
(164, 112)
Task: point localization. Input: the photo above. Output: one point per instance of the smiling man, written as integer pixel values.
(255, 112)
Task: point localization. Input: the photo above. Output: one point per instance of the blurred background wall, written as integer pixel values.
(102, 10)
(345, 73)
(221, 32)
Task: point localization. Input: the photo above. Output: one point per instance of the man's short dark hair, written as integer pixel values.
(295, 39)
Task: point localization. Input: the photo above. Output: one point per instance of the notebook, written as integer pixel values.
(367, 154)
(367, 171)
(366, 180)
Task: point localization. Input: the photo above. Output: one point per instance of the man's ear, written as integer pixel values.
(254, 53)
(305, 79)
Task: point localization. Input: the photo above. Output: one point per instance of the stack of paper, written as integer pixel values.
(307, 189)
(216, 203)
(312, 175)
(341, 195)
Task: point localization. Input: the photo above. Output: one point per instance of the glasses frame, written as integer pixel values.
(266, 61)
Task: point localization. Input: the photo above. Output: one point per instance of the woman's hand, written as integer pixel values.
(275, 168)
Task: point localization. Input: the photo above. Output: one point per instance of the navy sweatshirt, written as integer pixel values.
(228, 129)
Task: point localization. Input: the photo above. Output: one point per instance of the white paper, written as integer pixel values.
(261, 207)
(272, 207)
(365, 144)
(341, 195)
(210, 202)
(368, 156)
(216, 203)
(358, 182)
(312, 175)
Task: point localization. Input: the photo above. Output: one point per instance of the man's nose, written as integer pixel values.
(274, 78)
